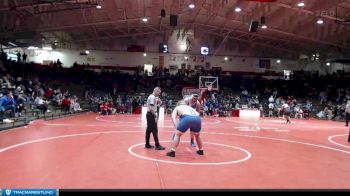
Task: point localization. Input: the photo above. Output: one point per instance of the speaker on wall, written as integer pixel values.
(162, 13)
(254, 25)
(173, 20)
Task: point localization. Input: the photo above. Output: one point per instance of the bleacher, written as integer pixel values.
(78, 79)
(31, 114)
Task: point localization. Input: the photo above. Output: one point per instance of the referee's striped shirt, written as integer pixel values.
(151, 103)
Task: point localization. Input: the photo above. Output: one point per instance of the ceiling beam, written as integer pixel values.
(265, 45)
(111, 10)
(116, 36)
(293, 35)
(309, 12)
(43, 4)
(245, 33)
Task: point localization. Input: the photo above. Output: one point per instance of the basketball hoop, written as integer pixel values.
(209, 83)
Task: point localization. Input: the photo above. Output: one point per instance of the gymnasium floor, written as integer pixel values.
(92, 151)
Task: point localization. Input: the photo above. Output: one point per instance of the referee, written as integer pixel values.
(152, 119)
(347, 113)
(347, 116)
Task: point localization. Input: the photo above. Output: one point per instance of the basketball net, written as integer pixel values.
(209, 87)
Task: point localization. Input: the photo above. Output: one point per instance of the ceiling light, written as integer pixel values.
(328, 64)
(278, 61)
(87, 52)
(226, 58)
(320, 21)
(186, 57)
(144, 19)
(191, 6)
(301, 4)
(238, 9)
(144, 54)
(264, 26)
(32, 48)
(183, 47)
(12, 44)
(98, 6)
(47, 48)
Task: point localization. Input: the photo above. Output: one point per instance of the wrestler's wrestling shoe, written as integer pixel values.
(170, 154)
(200, 152)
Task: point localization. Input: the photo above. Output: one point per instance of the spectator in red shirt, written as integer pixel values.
(66, 103)
(49, 93)
(104, 108)
(122, 109)
(110, 107)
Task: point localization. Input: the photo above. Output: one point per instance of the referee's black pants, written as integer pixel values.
(347, 123)
(151, 128)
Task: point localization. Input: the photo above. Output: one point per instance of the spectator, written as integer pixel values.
(7, 103)
(122, 109)
(24, 57)
(20, 100)
(298, 112)
(271, 108)
(66, 103)
(110, 107)
(49, 93)
(261, 109)
(59, 64)
(30, 88)
(119, 101)
(41, 104)
(75, 105)
(103, 108)
(216, 109)
(3, 55)
(309, 105)
(19, 57)
(57, 98)
(329, 113)
(323, 98)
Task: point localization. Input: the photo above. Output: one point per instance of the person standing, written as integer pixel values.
(189, 119)
(271, 107)
(24, 57)
(152, 117)
(19, 57)
(286, 112)
(193, 102)
(3, 55)
(347, 113)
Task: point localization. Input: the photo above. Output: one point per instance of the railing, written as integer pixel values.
(24, 121)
